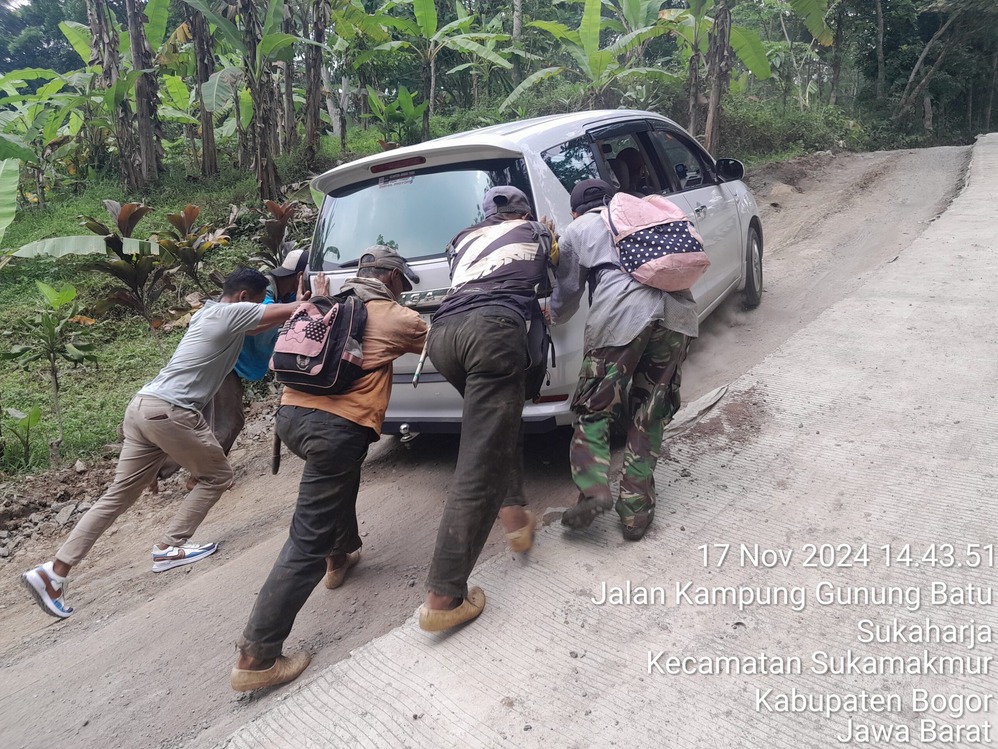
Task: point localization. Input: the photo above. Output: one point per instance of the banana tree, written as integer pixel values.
(600, 69)
(356, 30)
(427, 39)
(483, 70)
(633, 15)
(260, 41)
(695, 32)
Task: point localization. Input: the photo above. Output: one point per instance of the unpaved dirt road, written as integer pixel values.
(144, 662)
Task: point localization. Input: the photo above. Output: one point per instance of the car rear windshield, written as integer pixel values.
(416, 212)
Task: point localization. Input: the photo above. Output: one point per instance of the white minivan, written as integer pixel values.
(418, 197)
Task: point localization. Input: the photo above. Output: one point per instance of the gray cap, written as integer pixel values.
(385, 258)
(505, 199)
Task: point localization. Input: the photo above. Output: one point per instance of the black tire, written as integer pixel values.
(752, 295)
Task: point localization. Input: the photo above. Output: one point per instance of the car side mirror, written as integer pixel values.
(730, 169)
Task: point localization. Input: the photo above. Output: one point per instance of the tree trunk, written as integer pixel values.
(344, 103)
(429, 81)
(925, 51)
(205, 60)
(289, 134)
(146, 97)
(517, 37)
(104, 53)
(991, 94)
(927, 113)
(246, 140)
(905, 104)
(261, 87)
(970, 106)
(315, 78)
(840, 22)
(55, 444)
(718, 69)
(881, 68)
(693, 108)
(331, 108)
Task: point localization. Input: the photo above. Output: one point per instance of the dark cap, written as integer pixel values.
(591, 193)
(385, 258)
(505, 199)
(295, 262)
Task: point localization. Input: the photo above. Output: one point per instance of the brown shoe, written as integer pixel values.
(285, 669)
(335, 577)
(436, 620)
(522, 539)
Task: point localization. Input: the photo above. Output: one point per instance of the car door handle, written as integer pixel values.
(700, 210)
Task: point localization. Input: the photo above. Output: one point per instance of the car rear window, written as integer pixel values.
(417, 212)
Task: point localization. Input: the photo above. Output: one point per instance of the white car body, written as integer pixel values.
(401, 196)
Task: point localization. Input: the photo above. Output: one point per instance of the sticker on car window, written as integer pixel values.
(403, 178)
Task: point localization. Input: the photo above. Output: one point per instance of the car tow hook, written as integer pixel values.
(407, 435)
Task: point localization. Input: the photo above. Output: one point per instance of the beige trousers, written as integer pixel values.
(155, 429)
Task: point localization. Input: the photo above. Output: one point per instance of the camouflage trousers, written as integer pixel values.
(644, 378)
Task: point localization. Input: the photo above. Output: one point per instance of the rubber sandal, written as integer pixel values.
(334, 578)
(522, 539)
(436, 620)
(285, 669)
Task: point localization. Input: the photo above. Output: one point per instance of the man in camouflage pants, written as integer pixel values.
(635, 341)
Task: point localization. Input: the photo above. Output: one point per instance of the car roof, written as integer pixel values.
(506, 140)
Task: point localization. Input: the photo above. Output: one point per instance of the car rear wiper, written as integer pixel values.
(348, 264)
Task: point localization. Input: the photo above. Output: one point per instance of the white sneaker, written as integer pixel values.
(49, 594)
(177, 556)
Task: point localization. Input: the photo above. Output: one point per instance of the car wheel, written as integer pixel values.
(753, 270)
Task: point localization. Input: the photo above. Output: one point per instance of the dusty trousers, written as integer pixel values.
(482, 352)
(155, 430)
(324, 523)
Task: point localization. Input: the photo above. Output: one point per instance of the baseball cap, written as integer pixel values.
(295, 262)
(591, 193)
(380, 256)
(505, 199)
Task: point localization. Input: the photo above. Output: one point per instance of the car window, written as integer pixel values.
(687, 166)
(572, 162)
(417, 212)
(628, 164)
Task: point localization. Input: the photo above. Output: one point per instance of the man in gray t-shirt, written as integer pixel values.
(164, 420)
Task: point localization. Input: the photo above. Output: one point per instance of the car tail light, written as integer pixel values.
(399, 164)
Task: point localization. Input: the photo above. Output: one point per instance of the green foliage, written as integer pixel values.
(189, 244)
(9, 172)
(273, 236)
(19, 425)
(753, 129)
(145, 276)
(49, 336)
(600, 68)
(398, 120)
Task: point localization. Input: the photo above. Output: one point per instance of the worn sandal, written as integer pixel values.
(435, 620)
(335, 577)
(522, 539)
(285, 669)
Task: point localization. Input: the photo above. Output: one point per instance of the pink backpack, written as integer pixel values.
(655, 241)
